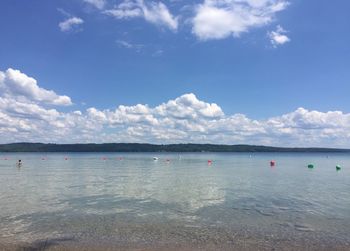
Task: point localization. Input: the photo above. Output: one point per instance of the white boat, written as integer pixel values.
(155, 158)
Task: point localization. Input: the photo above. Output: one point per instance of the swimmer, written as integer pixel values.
(19, 163)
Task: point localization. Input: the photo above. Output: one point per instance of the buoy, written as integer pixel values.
(65, 158)
(210, 162)
(272, 163)
(338, 167)
(310, 166)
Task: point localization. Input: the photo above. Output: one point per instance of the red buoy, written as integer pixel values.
(272, 163)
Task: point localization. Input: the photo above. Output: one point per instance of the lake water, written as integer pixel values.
(180, 201)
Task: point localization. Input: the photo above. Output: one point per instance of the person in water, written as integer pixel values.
(19, 163)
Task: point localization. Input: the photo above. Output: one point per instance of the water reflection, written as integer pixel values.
(142, 180)
(44, 198)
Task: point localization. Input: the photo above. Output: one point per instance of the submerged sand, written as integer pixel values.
(172, 237)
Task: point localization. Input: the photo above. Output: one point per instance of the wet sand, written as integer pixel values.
(65, 245)
(151, 237)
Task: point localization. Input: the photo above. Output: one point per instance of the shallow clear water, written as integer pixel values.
(130, 198)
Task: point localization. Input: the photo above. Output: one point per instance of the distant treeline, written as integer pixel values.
(135, 147)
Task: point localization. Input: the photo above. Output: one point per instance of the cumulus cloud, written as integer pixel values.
(24, 116)
(153, 12)
(19, 86)
(218, 19)
(278, 37)
(189, 107)
(70, 23)
(99, 4)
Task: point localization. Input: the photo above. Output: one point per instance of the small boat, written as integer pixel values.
(155, 158)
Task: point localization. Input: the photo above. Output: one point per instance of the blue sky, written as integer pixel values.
(262, 59)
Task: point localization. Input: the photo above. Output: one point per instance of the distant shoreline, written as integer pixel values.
(139, 147)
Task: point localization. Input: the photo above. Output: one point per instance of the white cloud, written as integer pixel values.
(128, 45)
(125, 44)
(156, 13)
(158, 53)
(18, 85)
(278, 36)
(210, 19)
(99, 4)
(218, 19)
(189, 107)
(70, 23)
(24, 116)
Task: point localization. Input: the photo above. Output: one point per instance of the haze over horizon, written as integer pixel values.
(259, 72)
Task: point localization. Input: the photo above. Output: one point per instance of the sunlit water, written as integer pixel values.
(126, 198)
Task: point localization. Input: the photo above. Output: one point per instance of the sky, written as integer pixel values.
(266, 72)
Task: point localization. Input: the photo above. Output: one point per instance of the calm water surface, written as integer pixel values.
(127, 198)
